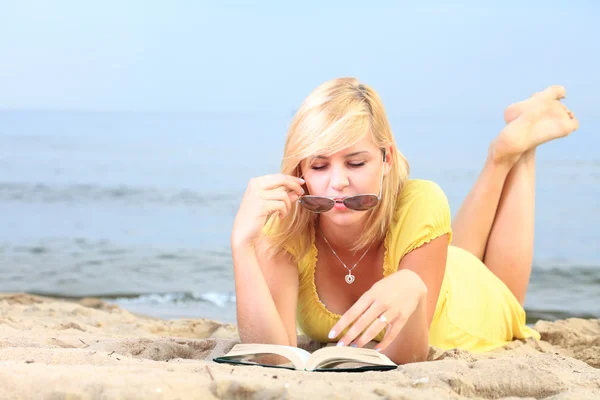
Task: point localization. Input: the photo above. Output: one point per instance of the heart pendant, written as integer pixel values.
(349, 278)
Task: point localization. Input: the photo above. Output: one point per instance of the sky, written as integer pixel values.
(464, 59)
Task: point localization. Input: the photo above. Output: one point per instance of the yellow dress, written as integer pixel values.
(475, 310)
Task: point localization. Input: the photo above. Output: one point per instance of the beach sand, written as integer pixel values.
(61, 349)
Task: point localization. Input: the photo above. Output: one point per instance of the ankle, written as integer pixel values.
(501, 159)
(529, 155)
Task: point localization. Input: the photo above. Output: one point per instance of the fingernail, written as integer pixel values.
(378, 350)
(302, 181)
(331, 334)
(340, 344)
(353, 345)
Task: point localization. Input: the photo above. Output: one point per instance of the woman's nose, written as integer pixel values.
(339, 179)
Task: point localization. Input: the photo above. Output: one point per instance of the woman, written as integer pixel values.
(342, 242)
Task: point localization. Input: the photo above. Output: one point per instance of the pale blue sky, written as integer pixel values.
(463, 59)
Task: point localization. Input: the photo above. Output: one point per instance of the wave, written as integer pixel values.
(534, 315)
(218, 299)
(221, 306)
(225, 301)
(89, 193)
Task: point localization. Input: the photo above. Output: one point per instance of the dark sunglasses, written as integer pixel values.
(319, 204)
(359, 202)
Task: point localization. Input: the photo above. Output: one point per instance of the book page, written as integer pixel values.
(328, 357)
(303, 354)
(266, 354)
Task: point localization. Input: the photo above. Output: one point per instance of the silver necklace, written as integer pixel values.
(349, 278)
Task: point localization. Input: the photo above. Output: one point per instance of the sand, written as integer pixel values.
(61, 349)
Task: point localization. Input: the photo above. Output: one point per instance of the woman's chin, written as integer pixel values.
(344, 217)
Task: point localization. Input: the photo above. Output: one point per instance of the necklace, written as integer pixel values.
(349, 278)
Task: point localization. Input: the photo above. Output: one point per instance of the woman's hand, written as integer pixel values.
(388, 304)
(264, 196)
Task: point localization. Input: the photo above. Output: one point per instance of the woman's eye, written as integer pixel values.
(357, 164)
(351, 164)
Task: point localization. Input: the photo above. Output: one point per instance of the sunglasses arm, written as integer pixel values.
(381, 182)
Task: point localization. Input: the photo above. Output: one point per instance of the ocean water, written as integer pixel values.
(137, 208)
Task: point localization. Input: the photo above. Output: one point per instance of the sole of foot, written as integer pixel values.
(537, 120)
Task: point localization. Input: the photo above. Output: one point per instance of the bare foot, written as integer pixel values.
(542, 118)
(515, 109)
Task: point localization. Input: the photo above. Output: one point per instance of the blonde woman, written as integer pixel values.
(343, 243)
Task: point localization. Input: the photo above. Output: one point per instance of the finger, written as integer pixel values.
(293, 196)
(277, 181)
(275, 206)
(392, 332)
(369, 324)
(280, 192)
(280, 195)
(279, 206)
(274, 181)
(350, 316)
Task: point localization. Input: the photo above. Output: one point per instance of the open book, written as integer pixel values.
(331, 358)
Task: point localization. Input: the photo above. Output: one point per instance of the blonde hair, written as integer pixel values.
(336, 115)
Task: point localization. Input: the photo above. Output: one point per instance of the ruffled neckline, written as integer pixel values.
(312, 265)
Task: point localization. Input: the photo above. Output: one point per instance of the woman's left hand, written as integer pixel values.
(388, 304)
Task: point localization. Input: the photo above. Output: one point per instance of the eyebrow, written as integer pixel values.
(347, 155)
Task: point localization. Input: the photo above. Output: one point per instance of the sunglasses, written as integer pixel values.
(359, 202)
(319, 204)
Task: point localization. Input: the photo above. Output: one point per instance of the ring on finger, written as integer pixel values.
(383, 319)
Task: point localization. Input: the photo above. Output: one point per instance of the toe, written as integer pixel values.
(570, 123)
(554, 92)
(574, 123)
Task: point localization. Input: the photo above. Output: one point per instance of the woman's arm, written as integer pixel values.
(266, 296)
(407, 299)
(266, 289)
(428, 263)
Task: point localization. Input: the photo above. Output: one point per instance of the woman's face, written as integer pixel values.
(354, 170)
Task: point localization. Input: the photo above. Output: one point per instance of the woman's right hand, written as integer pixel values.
(264, 196)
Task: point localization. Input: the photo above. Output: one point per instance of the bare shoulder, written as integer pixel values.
(267, 259)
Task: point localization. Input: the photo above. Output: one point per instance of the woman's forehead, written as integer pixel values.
(346, 153)
(364, 146)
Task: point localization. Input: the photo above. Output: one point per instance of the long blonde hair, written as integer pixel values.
(336, 115)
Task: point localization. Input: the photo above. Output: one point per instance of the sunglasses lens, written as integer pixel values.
(361, 202)
(316, 204)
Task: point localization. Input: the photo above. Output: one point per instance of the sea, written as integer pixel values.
(136, 207)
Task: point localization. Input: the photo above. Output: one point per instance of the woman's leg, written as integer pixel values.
(473, 223)
(496, 220)
(509, 251)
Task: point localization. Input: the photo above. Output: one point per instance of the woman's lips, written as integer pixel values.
(339, 205)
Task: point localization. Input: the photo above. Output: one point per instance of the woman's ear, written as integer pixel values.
(298, 171)
(388, 157)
